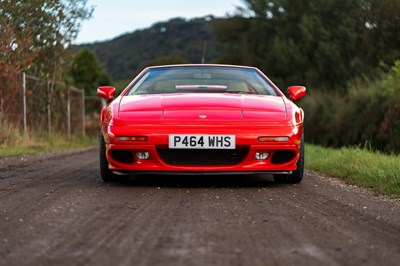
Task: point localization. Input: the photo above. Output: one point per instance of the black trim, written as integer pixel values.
(199, 173)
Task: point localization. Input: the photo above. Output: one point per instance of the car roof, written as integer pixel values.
(201, 65)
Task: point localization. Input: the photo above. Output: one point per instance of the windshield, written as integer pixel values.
(204, 79)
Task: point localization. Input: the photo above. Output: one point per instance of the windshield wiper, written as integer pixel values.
(241, 92)
(153, 92)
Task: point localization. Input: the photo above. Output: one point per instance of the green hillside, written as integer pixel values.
(177, 41)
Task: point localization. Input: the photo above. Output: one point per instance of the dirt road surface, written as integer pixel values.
(54, 210)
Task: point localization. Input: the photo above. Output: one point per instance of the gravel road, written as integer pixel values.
(54, 210)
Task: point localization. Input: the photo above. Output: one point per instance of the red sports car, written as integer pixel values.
(202, 119)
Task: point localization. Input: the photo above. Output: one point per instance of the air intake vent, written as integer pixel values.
(282, 157)
(122, 156)
(202, 157)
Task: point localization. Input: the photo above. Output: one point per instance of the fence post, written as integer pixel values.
(48, 108)
(24, 101)
(83, 112)
(68, 113)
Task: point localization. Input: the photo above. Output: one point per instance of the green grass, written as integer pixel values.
(361, 167)
(44, 144)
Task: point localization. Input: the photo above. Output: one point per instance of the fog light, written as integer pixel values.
(262, 155)
(143, 155)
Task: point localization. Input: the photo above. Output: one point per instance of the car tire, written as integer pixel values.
(297, 175)
(105, 173)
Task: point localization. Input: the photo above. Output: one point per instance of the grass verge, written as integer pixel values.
(369, 169)
(45, 144)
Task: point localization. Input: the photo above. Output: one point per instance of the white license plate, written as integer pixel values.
(202, 142)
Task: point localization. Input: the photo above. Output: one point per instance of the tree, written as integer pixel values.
(88, 73)
(36, 36)
(319, 43)
(379, 31)
(316, 43)
(232, 32)
(52, 25)
(14, 58)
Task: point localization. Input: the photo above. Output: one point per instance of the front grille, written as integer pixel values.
(202, 157)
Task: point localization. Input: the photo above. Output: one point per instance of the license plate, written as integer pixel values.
(202, 142)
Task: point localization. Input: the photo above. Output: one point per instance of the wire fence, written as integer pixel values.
(93, 105)
(36, 107)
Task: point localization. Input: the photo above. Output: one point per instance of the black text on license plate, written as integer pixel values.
(202, 142)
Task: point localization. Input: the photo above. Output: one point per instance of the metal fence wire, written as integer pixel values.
(93, 105)
(75, 111)
(44, 110)
(33, 107)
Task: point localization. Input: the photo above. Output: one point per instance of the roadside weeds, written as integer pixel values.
(374, 170)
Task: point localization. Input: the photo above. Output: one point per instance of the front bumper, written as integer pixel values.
(246, 139)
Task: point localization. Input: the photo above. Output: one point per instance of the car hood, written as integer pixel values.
(209, 106)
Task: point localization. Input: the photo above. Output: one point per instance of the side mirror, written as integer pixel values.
(296, 92)
(106, 92)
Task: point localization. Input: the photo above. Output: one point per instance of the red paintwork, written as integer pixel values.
(296, 92)
(246, 116)
(186, 106)
(106, 92)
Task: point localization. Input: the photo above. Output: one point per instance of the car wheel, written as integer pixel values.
(297, 175)
(105, 173)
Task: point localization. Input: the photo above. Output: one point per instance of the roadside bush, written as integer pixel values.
(8, 134)
(367, 115)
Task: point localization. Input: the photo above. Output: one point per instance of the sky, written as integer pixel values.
(112, 18)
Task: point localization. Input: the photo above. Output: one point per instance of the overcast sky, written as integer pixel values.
(112, 18)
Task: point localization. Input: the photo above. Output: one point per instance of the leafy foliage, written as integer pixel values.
(318, 43)
(35, 36)
(13, 58)
(366, 115)
(335, 48)
(50, 26)
(88, 73)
